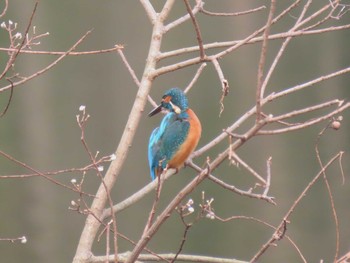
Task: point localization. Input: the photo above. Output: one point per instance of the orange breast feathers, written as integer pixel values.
(189, 144)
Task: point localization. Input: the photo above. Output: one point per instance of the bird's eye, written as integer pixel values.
(167, 99)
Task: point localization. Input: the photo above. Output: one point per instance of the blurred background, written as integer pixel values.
(40, 130)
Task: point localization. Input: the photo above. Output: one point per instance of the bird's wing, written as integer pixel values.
(153, 150)
(165, 141)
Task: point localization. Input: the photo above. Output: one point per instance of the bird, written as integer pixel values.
(177, 136)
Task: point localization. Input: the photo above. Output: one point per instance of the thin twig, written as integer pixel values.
(275, 236)
(82, 120)
(224, 83)
(185, 258)
(310, 83)
(5, 8)
(259, 94)
(268, 177)
(252, 40)
(314, 15)
(257, 32)
(305, 124)
(59, 53)
(160, 181)
(329, 190)
(120, 48)
(39, 173)
(232, 188)
(54, 63)
(184, 238)
(249, 169)
(182, 19)
(107, 241)
(195, 78)
(131, 71)
(248, 193)
(127, 65)
(282, 49)
(306, 110)
(14, 55)
(202, 10)
(22, 239)
(9, 100)
(63, 171)
(249, 218)
(197, 29)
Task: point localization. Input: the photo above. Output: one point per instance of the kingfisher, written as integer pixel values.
(175, 139)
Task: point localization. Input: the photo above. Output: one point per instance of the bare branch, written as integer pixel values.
(294, 113)
(22, 164)
(305, 124)
(252, 40)
(310, 83)
(54, 63)
(253, 10)
(282, 49)
(232, 188)
(59, 53)
(275, 236)
(271, 97)
(182, 257)
(263, 223)
(257, 32)
(152, 14)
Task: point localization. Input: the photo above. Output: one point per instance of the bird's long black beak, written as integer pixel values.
(155, 110)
